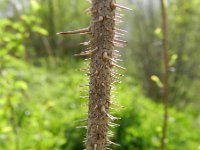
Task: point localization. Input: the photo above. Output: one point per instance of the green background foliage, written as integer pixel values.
(42, 105)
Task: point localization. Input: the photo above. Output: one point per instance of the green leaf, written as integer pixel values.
(173, 59)
(35, 5)
(156, 79)
(21, 85)
(40, 30)
(158, 32)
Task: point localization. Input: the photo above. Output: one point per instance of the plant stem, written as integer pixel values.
(102, 29)
(166, 73)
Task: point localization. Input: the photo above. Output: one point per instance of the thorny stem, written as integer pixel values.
(166, 73)
(80, 31)
(102, 29)
(104, 37)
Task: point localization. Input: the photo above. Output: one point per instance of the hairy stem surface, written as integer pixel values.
(102, 29)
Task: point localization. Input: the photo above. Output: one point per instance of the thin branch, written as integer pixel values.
(166, 73)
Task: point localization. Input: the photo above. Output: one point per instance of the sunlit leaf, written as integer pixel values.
(40, 30)
(173, 59)
(156, 79)
(21, 85)
(35, 5)
(6, 129)
(158, 32)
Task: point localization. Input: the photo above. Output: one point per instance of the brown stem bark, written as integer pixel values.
(102, 32)
(104, 36)
(166, 73)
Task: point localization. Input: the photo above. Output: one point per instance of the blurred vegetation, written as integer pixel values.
(183, 20)
(40, 104)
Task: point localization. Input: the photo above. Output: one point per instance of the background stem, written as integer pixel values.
(166, 72)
